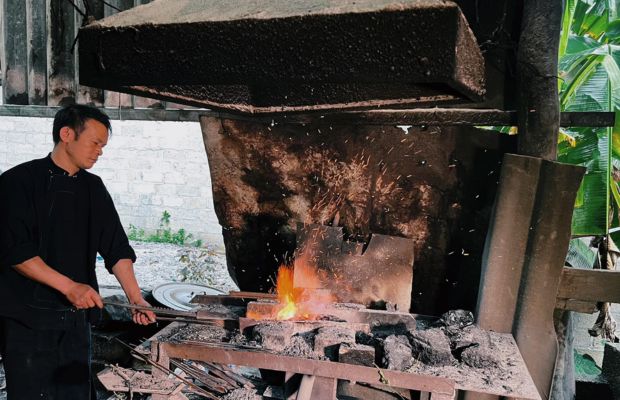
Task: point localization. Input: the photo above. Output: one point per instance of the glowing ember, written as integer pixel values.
(305, 302)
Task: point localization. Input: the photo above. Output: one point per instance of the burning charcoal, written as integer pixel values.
(328, 339)
(397, 353)
(273, 335)
(431, 346)
(357, 354)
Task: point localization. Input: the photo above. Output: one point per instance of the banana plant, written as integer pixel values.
(589, 80)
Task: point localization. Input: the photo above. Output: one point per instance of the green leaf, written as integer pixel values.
(580, 254)
(567, 19)
(579, 78)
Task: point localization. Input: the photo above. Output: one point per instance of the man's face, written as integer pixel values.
(84, 149)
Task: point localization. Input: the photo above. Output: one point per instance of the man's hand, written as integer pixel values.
(83, 296)
(123, 270)
(142, 317)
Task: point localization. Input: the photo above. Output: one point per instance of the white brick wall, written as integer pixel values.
(148, 167)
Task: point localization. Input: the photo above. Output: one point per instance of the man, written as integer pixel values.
(54, 219)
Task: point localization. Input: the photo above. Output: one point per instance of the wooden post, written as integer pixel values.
(537, 70)
(15, 59)
(36, 34)
(61, 65)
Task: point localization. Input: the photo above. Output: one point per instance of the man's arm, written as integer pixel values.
(79, 294)
(123, 271)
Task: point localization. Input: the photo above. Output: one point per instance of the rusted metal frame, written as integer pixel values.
(423, 117)
(523, 260)
(548, 241)
(327, 369)
(589, 285)
(375, 117)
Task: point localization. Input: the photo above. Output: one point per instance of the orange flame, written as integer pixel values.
(308, 299)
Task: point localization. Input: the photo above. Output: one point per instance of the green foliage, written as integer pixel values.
(589, 72)
(197, 267)
(164, 234)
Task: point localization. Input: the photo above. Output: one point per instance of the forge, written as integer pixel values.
(397, 221)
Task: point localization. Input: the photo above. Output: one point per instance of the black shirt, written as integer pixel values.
(63, 219)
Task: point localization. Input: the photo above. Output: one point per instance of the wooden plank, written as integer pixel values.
(86, 94)
(36, 34)
(590, 285)
(61, 63)
(116, 99)
(15, 60)
(585, 307)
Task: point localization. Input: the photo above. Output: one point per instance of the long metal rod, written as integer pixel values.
(163, 368)
(418, 117)
(156, 310)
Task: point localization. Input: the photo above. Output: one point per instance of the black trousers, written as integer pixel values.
(47, 364)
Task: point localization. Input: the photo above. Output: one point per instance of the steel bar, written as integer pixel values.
(167, 370)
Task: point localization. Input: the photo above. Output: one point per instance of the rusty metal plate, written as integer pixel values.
(277, 56)
(380, 272)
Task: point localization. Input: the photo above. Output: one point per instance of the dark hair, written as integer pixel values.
(74, 116)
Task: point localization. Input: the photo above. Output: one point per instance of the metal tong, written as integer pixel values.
(197, 316)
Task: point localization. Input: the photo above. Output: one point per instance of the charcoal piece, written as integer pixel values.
(273, 335)
(456, 319)
(382, 330)
(357, 354)
(328, 339)
(431, 346)
(301, 346)
(397, 353)
(475, 348)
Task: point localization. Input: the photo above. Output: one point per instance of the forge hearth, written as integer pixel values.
(424, 355)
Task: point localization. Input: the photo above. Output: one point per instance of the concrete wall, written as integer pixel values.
(148, 167)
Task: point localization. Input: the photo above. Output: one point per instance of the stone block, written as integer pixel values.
(357, 354)
(431, 346)
(397, 353)
(328, 339)
(274, 336)
(478, 349)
